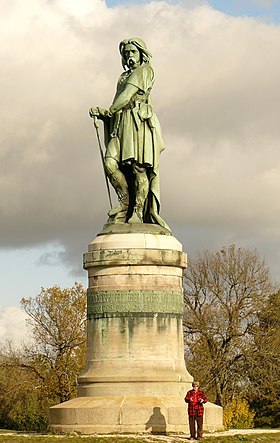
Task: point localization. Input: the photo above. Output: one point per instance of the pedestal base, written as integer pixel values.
(135, 378)
(99, 415)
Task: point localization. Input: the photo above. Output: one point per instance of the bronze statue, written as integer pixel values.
(133, 140)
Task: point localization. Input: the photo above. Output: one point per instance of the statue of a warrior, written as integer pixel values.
(133, 139)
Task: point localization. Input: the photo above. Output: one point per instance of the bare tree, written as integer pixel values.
(224, 292)
(263, 365)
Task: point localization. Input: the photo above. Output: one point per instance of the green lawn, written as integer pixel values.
(31, 438)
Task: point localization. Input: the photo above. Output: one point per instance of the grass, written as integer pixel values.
(5, 437)
(255, 438)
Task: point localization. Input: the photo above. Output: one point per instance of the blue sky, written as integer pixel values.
(216, 95)
(268, 10)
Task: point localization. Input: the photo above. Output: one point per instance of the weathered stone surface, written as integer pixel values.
(135, 270)
(138, 414)
(116, 303)
(135, 378)
(135, 241)
(148, 282)
(113, 257)
(213, 417)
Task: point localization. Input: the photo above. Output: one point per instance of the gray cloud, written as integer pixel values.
(217, 97)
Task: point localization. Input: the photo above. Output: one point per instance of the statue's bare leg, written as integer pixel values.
(119, 183)
(141, 191)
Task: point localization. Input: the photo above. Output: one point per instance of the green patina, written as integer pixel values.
(133, 141)
(123, 303)
(134, 228)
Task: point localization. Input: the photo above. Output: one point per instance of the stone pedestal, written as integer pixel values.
(135, 377)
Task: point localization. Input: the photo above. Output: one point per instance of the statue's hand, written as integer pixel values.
(94, 112)
(99, 113)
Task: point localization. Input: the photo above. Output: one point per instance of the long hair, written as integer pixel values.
(145, 55)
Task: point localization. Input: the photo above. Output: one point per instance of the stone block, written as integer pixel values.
(213, 417)
(135, 241)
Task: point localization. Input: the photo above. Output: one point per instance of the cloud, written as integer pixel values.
(13, 325)
(216, 95)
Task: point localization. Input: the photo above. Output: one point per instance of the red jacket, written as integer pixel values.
(195, 402)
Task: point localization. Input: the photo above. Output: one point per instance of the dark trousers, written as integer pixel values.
(198, 420)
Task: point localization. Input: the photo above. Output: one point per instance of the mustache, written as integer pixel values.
(131, 61)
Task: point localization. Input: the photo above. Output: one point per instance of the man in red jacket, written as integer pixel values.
(195, 399)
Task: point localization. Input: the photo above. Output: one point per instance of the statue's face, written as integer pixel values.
(131, 55)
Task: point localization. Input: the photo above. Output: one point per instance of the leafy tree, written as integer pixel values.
(44, 372)
(224, 292)
(22, 406)
(57, 322)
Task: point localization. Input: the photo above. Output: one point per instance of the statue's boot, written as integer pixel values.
(142, 189)
(121, 207)
(119, 183)
(137, 215)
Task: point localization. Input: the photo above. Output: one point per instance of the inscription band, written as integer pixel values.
(125, 303)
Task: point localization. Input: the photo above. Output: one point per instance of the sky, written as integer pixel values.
(216, 95)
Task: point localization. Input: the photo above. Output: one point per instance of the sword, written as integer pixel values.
(96, 125)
